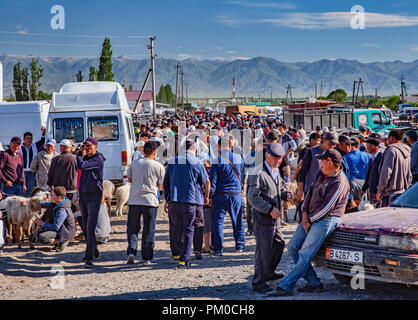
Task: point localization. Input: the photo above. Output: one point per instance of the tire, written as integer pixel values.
(342, 278)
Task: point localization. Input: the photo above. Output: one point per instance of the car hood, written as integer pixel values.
(383, 220)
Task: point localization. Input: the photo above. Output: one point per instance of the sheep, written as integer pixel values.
(365, 205)
(22, 212)
(122, 196)
(108, 191)
(292, 187)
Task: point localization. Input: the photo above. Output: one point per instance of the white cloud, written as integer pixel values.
(334, 20)
(240, 58)
(230, 52)
(228, 21)
(278, 5)
(371, 45)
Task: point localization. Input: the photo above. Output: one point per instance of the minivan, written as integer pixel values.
(96, 109)
(16, 118)
(375, 119)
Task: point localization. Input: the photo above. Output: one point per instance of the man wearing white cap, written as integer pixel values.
(63, 169)
(41, 163)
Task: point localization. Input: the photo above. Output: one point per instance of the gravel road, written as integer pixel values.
(28, 274)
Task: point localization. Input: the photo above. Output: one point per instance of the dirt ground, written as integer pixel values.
(28, 274)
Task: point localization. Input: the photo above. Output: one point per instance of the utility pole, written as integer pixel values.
(177, 81)
(154, 102)
(354, 91)
(187, 96)
(182, 96)
(402, 88)
(289, 91)
(320, 95)
(316, 92)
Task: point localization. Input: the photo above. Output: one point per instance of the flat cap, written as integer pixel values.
(273, 135)
(275, 149)
(373, 141)
(92, 141)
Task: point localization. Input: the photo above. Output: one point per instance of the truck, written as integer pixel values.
(96, 109)
(339, 117)
(16, 118)
(246, 110)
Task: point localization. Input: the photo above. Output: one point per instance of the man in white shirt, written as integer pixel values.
(146, 177)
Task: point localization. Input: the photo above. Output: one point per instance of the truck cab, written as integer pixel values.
(375, 119)
(95, 109)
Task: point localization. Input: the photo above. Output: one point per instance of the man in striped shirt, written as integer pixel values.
(322, 210)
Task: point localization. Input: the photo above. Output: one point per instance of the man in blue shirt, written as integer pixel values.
(358, 164)
(184, 180)
(226, 178)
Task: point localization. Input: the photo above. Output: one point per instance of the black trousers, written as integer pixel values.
(198, 229)
(268, 249)
(90, 207)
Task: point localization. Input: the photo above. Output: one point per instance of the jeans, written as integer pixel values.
(30, 183)
(14, 190)
(232, 203)
(302, 249)
(149, 215)
(44, 237)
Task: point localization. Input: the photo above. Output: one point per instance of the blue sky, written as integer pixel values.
(289, 31)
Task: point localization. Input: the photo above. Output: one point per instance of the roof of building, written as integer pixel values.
(134, 94)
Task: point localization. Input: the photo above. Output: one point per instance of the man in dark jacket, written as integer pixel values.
(91, 163)
(12, 177)
(63, 227)
(266, 190)
(373, 172)
(322, 210)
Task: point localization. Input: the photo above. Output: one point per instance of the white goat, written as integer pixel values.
(108, 191)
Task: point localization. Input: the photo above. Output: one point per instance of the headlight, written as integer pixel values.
(399, 242)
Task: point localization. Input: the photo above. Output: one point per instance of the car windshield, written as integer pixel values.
(408, 199)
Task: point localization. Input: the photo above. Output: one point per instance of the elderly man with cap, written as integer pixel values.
(41, 163)
(322, 210)
(266, 190)
(372, 176)
(12, 176)
(139, 152)
(91, 163)
(184, 180)
(63, 171)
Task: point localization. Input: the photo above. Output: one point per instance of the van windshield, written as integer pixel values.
(66, 127)
(103, 128)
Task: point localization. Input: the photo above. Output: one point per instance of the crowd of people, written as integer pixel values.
(210, 164)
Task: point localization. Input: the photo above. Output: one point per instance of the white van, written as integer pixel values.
(16, 118)
(96, 109)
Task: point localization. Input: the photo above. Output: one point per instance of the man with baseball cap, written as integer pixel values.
(311, 166)
(266, 190)
(12, 176)
(322, 210)
(41, 163)
(91, 163)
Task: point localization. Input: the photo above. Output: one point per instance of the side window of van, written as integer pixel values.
(65, 127)
(376, 118)
(103, 128)
(129, 128)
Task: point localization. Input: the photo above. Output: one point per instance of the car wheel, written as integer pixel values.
(342, 278)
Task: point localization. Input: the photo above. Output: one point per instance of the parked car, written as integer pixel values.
(383, 241)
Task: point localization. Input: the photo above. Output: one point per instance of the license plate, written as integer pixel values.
(344, 255)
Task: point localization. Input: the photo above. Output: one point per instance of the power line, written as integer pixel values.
(68, 44)
(24, 33)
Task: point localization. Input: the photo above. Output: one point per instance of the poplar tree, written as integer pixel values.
(105, 66)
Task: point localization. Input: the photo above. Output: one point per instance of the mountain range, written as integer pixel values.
(213, 78)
